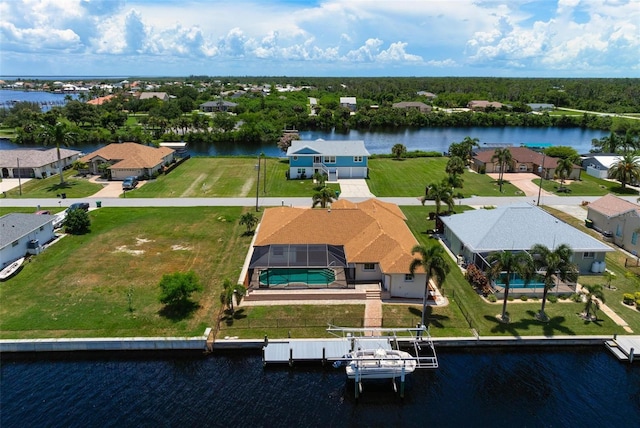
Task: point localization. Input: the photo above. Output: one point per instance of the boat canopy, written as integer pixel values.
(298, 256)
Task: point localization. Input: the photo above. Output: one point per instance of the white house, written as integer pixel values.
(19, 232)
(597, 165)
(35, 163)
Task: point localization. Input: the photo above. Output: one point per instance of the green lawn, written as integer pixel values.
(74, 187)
(586, 186)
(410, 177)
(225, 177)
(78, 287)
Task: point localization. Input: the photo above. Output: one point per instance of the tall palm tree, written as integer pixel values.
(455, 165)
(556, 265)
(504, 158)
(594, 296)
(439, 193)
(564, 169)
(323, 197)
(432, 261)
(504, 263)
(57, 134)
(626, 169)
(469, 143)
(398, 150)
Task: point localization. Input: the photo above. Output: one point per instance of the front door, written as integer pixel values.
(317, 159)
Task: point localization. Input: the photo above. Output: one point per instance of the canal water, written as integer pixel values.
(506, 387)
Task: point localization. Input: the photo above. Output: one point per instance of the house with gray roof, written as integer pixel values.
(35, 163)
(413, 105)
(19, 232)
(214, 106)
(473, 235)
(336, 159)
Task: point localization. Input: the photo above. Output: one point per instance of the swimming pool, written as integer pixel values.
(280, 276)
(515, 281)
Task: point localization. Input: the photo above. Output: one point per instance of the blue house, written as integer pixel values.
(337, 159)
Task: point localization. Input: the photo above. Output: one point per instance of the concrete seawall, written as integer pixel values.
(106, 344)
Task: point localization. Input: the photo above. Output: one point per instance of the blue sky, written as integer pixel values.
(508, 38)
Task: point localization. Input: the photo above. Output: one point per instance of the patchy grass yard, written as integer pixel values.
(587, 186)
(79, 286)
(225, 177)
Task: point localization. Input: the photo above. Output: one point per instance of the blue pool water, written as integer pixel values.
(516, 281)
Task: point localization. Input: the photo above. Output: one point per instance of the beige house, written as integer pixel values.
(366, 242)
(523, 160)
(162, 96)
(129, 159)
(618, 220)
(413, 105)
(482, 105)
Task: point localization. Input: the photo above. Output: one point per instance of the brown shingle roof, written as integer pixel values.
(130, 155)
(521, 155)
(371, 231)
(611, 206)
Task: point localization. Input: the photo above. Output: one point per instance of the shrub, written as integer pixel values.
(563, 296)
(177, 288)
(492, 298)
(576, 297)
(627, 299)
(476, 277)
(552, 298)
(77, 222)
(524, 298)
(637, 295)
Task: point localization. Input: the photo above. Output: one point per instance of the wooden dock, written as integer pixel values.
(625, 348)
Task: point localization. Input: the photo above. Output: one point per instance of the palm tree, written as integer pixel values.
(504, 263)
(439, 193)
(432, 261)
(556, 265)
(398, 150)
(504, 158)
(250, 220)
(594, 296)
(57, 134)
(320, 179)
(626, 169)
(229, 291)
(469, 143)
(455, 165)
(324, 197)
(564, 170)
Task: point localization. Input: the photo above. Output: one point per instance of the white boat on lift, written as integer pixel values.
(11, 269)
(379, 364)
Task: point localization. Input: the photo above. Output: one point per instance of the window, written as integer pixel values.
(295, 158)
(634, 238)
(41, 228)
(369, 266)
(357, 159)
(329, 159)
(619, 230)
(301, 171)
(588, 255)
(408, 277)
(15, 243)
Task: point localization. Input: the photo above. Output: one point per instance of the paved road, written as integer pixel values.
(476, 201)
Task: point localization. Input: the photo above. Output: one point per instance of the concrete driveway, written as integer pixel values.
(11, 183)
(110, 189)
(524, 182)
(354, 188)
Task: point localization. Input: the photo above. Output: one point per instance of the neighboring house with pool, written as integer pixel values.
(364, 243)
(336, 159)
(473, 235)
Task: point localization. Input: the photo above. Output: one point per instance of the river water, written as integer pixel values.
(577, 387)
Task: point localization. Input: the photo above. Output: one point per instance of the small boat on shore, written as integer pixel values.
(11, 269)
(379, 364)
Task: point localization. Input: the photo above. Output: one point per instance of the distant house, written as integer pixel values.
(413, 105)
(337, 159)
(127, 159)
(429, 95)
(620, 218)
(21, 231)
(474, 235)
(217, 106)
(100, 100)
(597, 165)
(368, 242)
(524, 160)
(481, 105)
(349, 102)
(35, 163)
(541, 106)
(162, 96)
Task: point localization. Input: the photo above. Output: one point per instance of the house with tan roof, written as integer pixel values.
(366, 242)
(523, 160)
(482, 105)
(618, 220)
(129, 159)
(100, 100)
(162, 96)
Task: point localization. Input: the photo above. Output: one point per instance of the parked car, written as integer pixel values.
(79, 206)
(130, 183)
